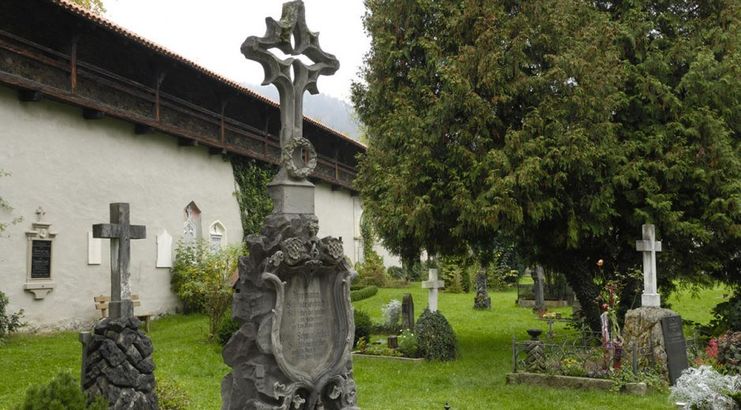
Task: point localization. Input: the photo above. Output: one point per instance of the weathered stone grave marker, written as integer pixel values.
(675, 345)
(432, 284)
(292, 298)
(650, 328)
(538, 288)
(407, 312)
(117, 357)
(482, 299)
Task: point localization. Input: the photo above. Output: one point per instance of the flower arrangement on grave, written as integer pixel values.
(609, 300)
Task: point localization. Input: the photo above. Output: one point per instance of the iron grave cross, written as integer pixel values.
(291, 36)
(649, 246)
(120, 233)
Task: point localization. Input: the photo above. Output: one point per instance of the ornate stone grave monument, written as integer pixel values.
(538, 288)
(647, 328)
(117, 356)
(432, 284)
(292, 298)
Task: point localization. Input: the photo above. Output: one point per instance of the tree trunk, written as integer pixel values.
(586, 292)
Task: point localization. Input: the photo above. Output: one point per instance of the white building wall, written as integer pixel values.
(73, 169)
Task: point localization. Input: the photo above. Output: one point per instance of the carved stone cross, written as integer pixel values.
(120, 232)
(649, 246)
(291, 84)
(432, 284)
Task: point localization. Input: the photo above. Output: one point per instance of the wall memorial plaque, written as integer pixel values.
(675, 346)
(40, 259)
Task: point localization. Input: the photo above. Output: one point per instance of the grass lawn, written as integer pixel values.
(475, 381)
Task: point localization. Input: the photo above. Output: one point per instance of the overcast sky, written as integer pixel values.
(210, 32)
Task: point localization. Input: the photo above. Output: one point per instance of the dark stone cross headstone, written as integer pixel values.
(117, 356)
(675, 346)
(407, 311)
(538, 288)
(120, 232)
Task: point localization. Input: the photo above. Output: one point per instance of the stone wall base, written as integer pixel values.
(552, 380)
(642, 330)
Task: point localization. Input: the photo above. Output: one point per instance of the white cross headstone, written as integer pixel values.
(649, 246)
(432, 284)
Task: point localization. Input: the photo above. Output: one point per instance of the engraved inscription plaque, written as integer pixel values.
(675, 346)
(40, 259)
(308, 326)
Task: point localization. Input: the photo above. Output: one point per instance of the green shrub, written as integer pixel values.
(62, 393)
(395, 272)
(171, 395)
(363, 326)
(363, 293)
(435, 336)
(456, 272)
(408, 343)
(200, 278)
(9, 322)
(729, 352)
(228, 327)
(371, 270)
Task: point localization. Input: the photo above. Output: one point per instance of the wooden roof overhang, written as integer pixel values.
(58, 50)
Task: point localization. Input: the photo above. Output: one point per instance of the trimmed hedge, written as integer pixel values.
(435, 337)
(363, 326)
(364, 293)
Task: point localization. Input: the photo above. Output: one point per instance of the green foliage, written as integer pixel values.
(396, 272)
(5, 206)
(228, 327)
(729, 352)
(251, 190)
(9, 322)
(727, 315)
(171, 395)
(457, 272)
(654, 379)
(62, 393)
(564, 125)
(363, 326)
(435, 336)
(371, 271)
(201, 279)
(408, 343)
(95, 6)
(364, 293)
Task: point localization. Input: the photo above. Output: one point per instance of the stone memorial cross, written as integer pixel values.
(432, 284)
(649, 246)
(120, 232)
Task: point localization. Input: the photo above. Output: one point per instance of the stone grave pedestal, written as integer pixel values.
(643, 331)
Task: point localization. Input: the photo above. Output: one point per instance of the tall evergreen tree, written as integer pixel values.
(562, 124)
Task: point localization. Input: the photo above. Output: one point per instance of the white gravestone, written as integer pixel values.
(94, 249)
(432, 284)
(164, 250)
(649, 246)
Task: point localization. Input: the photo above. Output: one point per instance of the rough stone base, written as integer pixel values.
(118, 365)
(642, 330)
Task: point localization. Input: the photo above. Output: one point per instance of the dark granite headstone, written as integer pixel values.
(407, 311)
(40, 259)
(482, 299)
(675, 346)
(538, 288)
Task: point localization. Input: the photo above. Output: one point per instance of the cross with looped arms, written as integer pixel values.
(279, 35)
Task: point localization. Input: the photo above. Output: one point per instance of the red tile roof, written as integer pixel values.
(102, 21)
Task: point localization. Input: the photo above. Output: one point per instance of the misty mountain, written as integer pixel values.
(330, 111)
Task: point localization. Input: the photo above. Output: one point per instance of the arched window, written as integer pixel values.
(192, 225)
(217, 235)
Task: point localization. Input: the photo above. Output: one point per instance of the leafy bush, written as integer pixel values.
(9, 322)
(408, 343)
(396, 272)
(62, 393)
(391, 314)
(363, 293)
(456, 271)
(228, 327)
(200, 278)
(371, 271)
(729, 352)
(435, 336)
(171, 395)
(704, 388)
(727, 315)
(363, 326)
(376, 349)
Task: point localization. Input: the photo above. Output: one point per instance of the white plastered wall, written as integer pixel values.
(73, 169)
